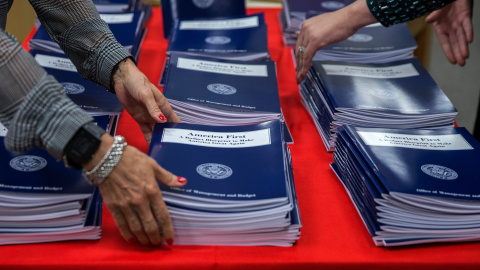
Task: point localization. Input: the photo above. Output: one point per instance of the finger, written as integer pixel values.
(167, 178)
(134, 223)
(468, 28)
(462, 47)
(164, 106)
(147, 216)
(455, 45)
(300, 72)
(162, 218)
(307, 59)
(297, 53)
(445, 45)
(122, 225)
(433, 16)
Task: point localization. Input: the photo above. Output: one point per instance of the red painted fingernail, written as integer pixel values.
(181, 179)
(169, 242)
(162, 117)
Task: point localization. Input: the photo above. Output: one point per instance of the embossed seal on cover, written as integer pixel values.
(28, 163)
(218, 40)
(332, 5)
(73, 88)
(214, 170)
(383, 93)
(203, 3)
(222, 89)
(439, 172)
(360, 38)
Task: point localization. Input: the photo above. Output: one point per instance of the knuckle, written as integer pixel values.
(151, 228)
(152, 189)
(136, 200)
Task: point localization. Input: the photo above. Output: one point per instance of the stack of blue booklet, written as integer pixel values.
(372, 44)
(43, 201)
(240, 188)
(127, 27)
(92, 98)
(241, 38)
(222, 92)
(412, 186)
(173, 10)
(398, 94)
(294, 12)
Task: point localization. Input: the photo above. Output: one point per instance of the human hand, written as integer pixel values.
(326, 29)
(453, 26)
(141, 99)
(133, 197)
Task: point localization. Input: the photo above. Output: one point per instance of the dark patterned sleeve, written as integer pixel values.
(84, 37)
(390, 12)
(33, 105)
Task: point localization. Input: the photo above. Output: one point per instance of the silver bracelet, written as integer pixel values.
(103, 169)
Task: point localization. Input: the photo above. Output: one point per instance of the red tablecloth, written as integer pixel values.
(333, 235)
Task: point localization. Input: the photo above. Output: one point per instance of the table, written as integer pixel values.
(333, 235)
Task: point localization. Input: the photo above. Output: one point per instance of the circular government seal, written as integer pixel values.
(218, 40)
(203, 3)
(214, 170)
(360, 38)
(384, 93)
(221, 89)
(73, 88)
(439, 172)
(333, 5)
(28, 163)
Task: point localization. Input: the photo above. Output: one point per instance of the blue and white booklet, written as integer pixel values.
(398, 94)
(372, 44)
(235, 38)
(127, 27)
(43, 201)
(92, 98)
(239, 190)
(222, 92)
(173, 10)
(412, 186)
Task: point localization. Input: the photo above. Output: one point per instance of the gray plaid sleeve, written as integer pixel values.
(85, 38)
(33, 105)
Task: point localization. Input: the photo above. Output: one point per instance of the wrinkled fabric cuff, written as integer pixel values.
(111, 54)
(46, 118)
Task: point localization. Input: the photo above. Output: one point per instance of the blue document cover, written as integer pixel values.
(401, 87)
(91, 97)
(173, 10)
(246, 35)
(438, 162)
(35, 171)
(127, 27)
(227, 84)
(376, 39)
(237, 163)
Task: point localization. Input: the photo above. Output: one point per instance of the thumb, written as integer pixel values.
(167, 178)
(433, 16)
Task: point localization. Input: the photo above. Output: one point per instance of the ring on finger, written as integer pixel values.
(301, 49)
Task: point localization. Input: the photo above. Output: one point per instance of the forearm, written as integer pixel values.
(390, 12)
(34, 106)
(84, 37)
